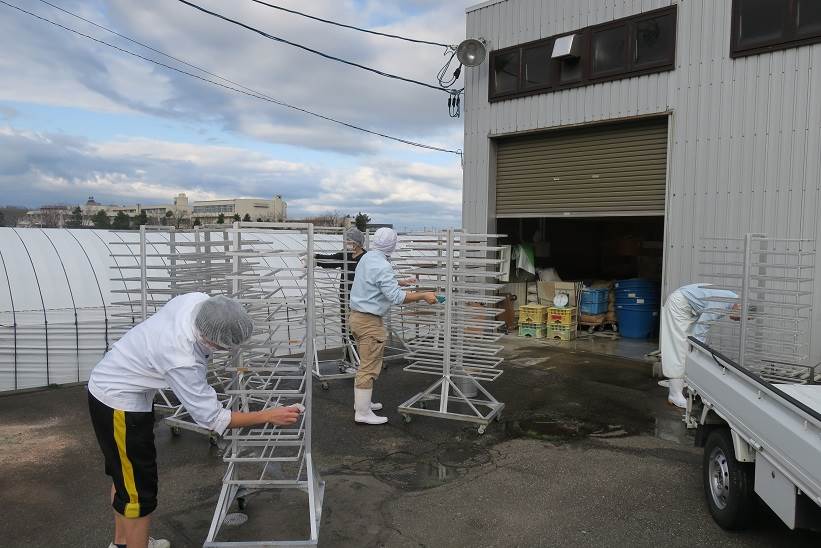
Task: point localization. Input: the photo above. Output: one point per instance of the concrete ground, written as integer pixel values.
(587, 454)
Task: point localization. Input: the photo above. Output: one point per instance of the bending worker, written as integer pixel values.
(171, 348)
(685, 314)
(375, 289)
(346, 260)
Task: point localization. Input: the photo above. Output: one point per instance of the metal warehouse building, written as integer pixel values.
(620, 133)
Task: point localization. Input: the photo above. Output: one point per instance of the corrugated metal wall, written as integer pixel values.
(745, 148)
(600, 170)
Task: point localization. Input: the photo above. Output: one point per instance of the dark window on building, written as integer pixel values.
(609, 50)
(808, 17)
(506, 73)
(766, 25)
(536, 69)
(570, 70)
(655, 41)
(640, 44)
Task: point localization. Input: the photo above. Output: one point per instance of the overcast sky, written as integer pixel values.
(78, 119)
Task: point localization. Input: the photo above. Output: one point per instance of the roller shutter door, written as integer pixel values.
(602, 170)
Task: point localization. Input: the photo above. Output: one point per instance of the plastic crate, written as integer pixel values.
(561, 332)
(533, 314)
(561, 316)
(595, 295)
(533, 331)
(594, 308)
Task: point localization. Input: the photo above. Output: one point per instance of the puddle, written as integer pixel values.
(416, 476)
(671, 428)
(415, 473)
(552, 428)
(462, 456)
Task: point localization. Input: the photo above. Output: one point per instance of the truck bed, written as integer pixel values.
(809, 395)
(782, 423)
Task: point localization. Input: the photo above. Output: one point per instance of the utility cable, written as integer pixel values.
(360, 29)
(239, 89)
(310, 50)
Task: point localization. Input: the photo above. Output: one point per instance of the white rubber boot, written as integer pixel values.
(375, 406)
(676, 393)
(363, 413)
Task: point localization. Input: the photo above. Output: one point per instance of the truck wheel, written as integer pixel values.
(728, 484)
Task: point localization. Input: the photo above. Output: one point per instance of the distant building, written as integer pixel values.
(180, 213)
(208, 211)
(47, 216)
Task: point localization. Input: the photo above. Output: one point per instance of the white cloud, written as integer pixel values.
(48, 65)
(58, 168)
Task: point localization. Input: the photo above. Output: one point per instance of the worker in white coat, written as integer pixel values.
(171, 348)
(685, 314)
(375, 288)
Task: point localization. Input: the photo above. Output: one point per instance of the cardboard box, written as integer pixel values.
(547, 290)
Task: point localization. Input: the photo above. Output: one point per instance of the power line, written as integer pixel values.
(328, 21)
(239, 89)
(314, 51)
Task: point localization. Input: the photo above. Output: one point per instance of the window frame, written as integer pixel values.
(586, 58)
(633, 45)
(790, 39)
(492, 73)
(629, 28)
(523, 86)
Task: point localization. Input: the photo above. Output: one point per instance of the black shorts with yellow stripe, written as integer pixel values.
(127, 441)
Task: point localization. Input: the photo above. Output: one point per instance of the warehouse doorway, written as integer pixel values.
(594, 252)
(586, 205)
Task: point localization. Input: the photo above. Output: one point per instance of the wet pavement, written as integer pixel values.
(587, 453)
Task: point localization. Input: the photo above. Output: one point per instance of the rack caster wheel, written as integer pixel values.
(481, 429)
(324, 386)
(406, 419)
(241, 503)
(498, 418)
(212, 440)
(175, 431)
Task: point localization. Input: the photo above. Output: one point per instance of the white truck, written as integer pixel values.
(759, 438)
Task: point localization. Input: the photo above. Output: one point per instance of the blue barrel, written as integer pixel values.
(636, 290)
(635, 284)
(637, 321)
(637, 307)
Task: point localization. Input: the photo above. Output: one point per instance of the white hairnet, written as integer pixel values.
(224, 322)
(384, 240)
(355, 235)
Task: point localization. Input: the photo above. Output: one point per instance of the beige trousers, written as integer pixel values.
(370, 335)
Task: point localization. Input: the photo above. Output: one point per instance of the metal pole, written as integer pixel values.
(745, 286)
(448, 327)
(143, 276)
(309, 331)
(172, 239)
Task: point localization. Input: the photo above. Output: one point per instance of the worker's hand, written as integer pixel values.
(281, 416)
(430, 297)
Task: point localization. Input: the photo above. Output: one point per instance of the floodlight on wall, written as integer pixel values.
(567, 47)
(471, 52)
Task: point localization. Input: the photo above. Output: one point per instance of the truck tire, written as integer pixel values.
(728, 484)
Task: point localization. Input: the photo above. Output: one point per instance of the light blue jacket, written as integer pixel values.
(701, 299)
(375, 287)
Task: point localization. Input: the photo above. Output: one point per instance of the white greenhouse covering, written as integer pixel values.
(58, 289)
